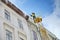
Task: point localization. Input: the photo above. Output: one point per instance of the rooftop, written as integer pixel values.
(12, 6)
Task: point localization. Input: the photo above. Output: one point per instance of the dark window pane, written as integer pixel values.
(7, 15)
(8, 35)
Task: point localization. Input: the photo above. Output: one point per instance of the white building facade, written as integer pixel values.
(13, 25)
(33, 30)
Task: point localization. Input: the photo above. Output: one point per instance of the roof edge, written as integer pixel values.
(12, 6)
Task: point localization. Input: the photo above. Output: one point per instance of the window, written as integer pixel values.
(8, 35)
(21, 38)
(7, 15)
(35, 35)
(20, 24)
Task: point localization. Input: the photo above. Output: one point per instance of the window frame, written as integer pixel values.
(8, 35)
(20, 24)
(7, 15)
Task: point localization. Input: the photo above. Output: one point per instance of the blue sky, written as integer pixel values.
(40, 7)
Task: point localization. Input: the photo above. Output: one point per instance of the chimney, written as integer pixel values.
(26, 17)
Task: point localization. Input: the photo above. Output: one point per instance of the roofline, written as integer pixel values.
(12, 6)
